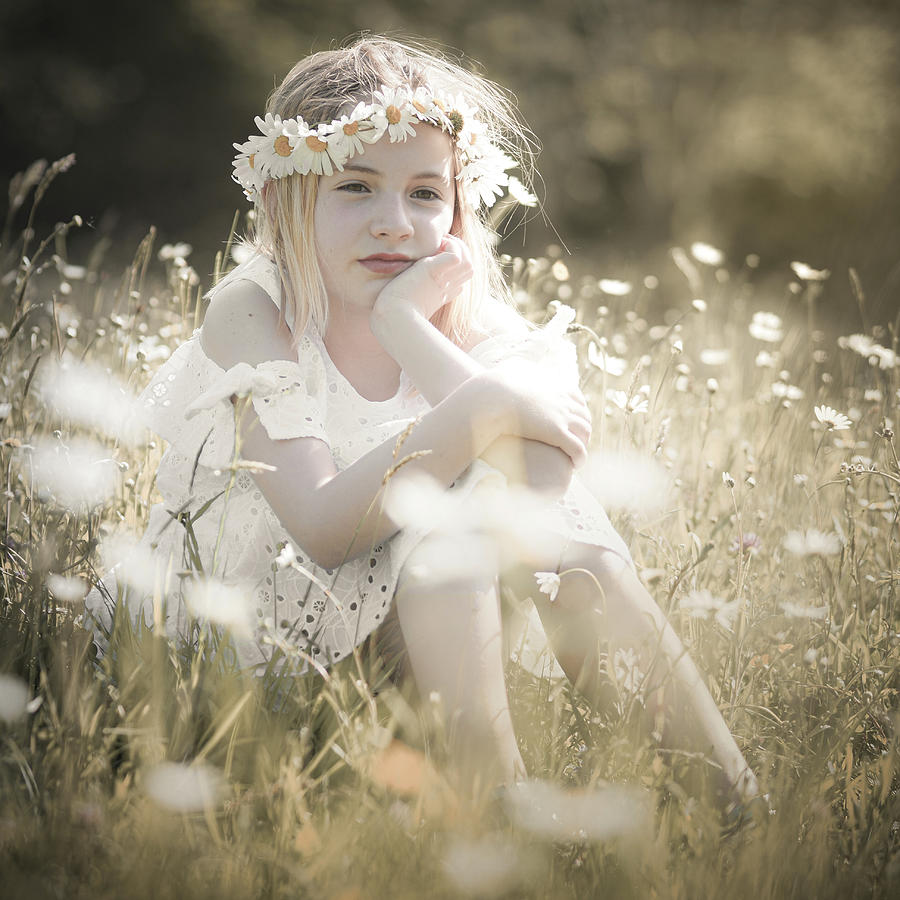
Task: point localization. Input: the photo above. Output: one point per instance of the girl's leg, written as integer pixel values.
(621, 614)
(453, 637)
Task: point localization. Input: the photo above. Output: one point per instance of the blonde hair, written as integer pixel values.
(326, 85)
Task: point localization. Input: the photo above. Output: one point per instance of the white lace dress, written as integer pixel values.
(216, 515)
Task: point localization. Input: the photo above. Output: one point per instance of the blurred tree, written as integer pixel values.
(761, 126)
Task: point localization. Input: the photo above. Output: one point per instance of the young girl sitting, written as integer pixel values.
(373, 307)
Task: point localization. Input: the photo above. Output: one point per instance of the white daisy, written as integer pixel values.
(393, 113)
(612, 365)
(426, 109)
(832, 419)
(707, 254)
(812, 543)
(548, 583)
(273, 156)
(310, 148)
(351, 133)
(766, 326)
(246, 173)
(520, 193)
(484, 177)
(463, 121)
(808, 273)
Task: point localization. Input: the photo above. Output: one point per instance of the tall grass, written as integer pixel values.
(163, 771)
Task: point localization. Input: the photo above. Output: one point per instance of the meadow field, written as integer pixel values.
(745, 451)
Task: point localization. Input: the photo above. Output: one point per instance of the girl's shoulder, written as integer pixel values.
(243, 322)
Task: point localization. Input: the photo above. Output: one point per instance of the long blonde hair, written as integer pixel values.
(326, 85)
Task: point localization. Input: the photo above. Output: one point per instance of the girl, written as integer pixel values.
(372, 306)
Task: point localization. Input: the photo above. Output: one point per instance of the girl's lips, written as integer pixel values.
(384, 265)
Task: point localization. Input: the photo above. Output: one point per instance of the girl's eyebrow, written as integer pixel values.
(422, 176)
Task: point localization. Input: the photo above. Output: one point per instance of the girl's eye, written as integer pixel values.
(353, 187)
(426, 194)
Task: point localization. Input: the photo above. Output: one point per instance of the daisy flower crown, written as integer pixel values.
(287, 146)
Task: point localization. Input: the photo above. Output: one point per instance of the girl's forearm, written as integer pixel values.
(437, 366)
(342, 517)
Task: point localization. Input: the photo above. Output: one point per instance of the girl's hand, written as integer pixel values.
(429, 282)
(539, 410)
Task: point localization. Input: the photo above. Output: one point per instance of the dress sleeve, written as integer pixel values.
(546, 347)
(188, 401)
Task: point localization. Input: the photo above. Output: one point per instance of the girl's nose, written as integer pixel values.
(391, 219)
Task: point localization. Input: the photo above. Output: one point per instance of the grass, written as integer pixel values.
(335, 787)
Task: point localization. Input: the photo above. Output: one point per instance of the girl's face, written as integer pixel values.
(392, 205)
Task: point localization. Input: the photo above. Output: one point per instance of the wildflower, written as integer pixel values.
(812, 543)
(786, 391)
(707, 254)
(221, 603)
(5, 410)
(677, 346)
(765, 360)
(174, 251)
(13, 698)
(808, 273)
(184, 788)
(712, 385)
(872, 395)
(699, 305)
(832, 419)
(750, 543)
(800, 479)
(556, 814)
(560, 271)
(727, 480)
(66, 589)
(766, 326)
(622, 480)
(74, 474)
(548, 583)
(614, 287)
(287, 556)
(715, 357)
(799, 611)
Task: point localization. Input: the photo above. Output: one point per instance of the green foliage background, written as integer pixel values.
(759, 126)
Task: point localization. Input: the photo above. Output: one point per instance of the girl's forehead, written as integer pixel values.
(431, 150)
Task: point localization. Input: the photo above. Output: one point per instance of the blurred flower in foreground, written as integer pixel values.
(93, 397)
(626, 480)
(175, 251)
(225, 604)
(591, 815)
(766, 326)
(136, 564)
(548, 583)
(13, 698)
(832, 419)
(76, 473)
(707, 254)
(799, 611)
(808, 273)
(486, 867)
(183, 788)
(66, 589)
(701, 604)
(750, 543)
(812, 543)
(883, 357)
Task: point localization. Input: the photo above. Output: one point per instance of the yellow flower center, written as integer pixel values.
(282, 145)
(456, 120)
(393, 114)
(250, 159)
(315, 144)
(419, 106)
(351, 128)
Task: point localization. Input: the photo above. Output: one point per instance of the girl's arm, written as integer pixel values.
(437, 366)
(336, 515)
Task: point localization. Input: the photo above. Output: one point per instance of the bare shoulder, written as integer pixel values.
(242, 325)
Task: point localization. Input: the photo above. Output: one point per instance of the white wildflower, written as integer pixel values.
(766, 326)
(808, 273)
(286, 557)
(13, 698)
(548, 583)
(727, 480)
(799, 611)
(224, 604)
(699, 305)
(614, 287)
(612, 365)
(715, 357)
(812, 543)
(487, 867)
(76, 473)
(707, 254)
(832, 419)
(66, 589)
(183, 788)
(765, 360)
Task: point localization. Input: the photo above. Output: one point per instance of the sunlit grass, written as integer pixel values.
(769, 536)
